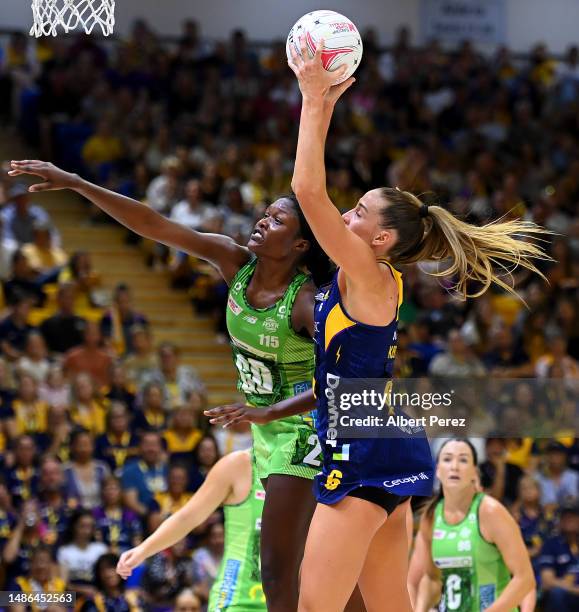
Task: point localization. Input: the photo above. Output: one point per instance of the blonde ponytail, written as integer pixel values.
(474, 254)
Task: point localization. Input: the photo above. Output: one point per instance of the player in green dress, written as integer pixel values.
(473, 552)
(270, 315)
(233, 482)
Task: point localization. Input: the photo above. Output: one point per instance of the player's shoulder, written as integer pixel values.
(491, 509)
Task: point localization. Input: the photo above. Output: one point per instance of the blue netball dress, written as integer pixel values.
(349, 349)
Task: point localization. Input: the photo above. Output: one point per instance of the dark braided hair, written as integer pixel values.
(315, 260)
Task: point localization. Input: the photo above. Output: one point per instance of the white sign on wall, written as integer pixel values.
(452, 21)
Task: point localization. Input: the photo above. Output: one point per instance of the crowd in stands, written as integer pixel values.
(102, 435)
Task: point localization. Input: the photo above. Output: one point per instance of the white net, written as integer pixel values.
(50, 15)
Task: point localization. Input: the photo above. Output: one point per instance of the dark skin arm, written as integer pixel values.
(221, 251)
(303, 324)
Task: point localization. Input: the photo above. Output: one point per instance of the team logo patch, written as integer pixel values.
(250, 319)
(301, 387)
(438, 534)
(270, 324)
(260, 494)
(233, 306)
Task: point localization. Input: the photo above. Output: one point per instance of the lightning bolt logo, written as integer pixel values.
(329, 56)
(338, 353)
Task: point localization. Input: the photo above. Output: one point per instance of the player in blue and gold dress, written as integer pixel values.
(358, 531)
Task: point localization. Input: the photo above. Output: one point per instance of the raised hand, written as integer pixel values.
(54, 178)
(313, 78)
(237, 413)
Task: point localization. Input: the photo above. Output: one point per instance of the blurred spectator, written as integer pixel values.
(60, 428)
(41, 578)
(54, 390)
(14, 329)
(233, 438)
(88, 410)
(22, 478)
(26, 535)
(30, 412)
(56, 506)
(206, 455)
(206, 560)
(177, 379)
(8, 246)
(19, 217)
(120, 390)
(44, 257)
(142, 479)
(558, 355)
(164, 191)
(182, 436)
(559, 485)
(167, 503)
(22, 281)
(8, 517)
(531, 517)
(64, 330)
(500, 478)
(34, 361)
(187, 601)
(152, 415)
(102, 150)
(118, 527)
(85, 280)
(111, 592)
(118, 444)
(78, 555)
(117, 323)
(84, 475)
(167, 573)
(142, 362)
(458, 361)
(192, 211)
(90, 357)
(559, 561)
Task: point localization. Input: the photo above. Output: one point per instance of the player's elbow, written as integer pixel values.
(306, 193)
(527, 578)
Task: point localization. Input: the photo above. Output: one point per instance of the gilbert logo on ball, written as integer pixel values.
(342, 41)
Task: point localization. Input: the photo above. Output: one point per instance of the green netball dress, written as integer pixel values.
(237, 587)
(274, 363)
(473, 571)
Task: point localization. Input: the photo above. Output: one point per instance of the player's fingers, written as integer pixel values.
(319, 51)
(226, 418)
(40, 187)
(297, 59)
(234, 421)
(304, 47)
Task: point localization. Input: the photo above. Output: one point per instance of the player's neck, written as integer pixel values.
(272, 274)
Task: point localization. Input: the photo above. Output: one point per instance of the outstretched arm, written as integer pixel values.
(213, 492)
(346, 249)
(238, 413)
(221, 251)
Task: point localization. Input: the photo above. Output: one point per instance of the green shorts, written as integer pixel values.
(288, 446)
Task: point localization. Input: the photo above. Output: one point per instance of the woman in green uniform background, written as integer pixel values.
(233, 482)
(471, 549)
